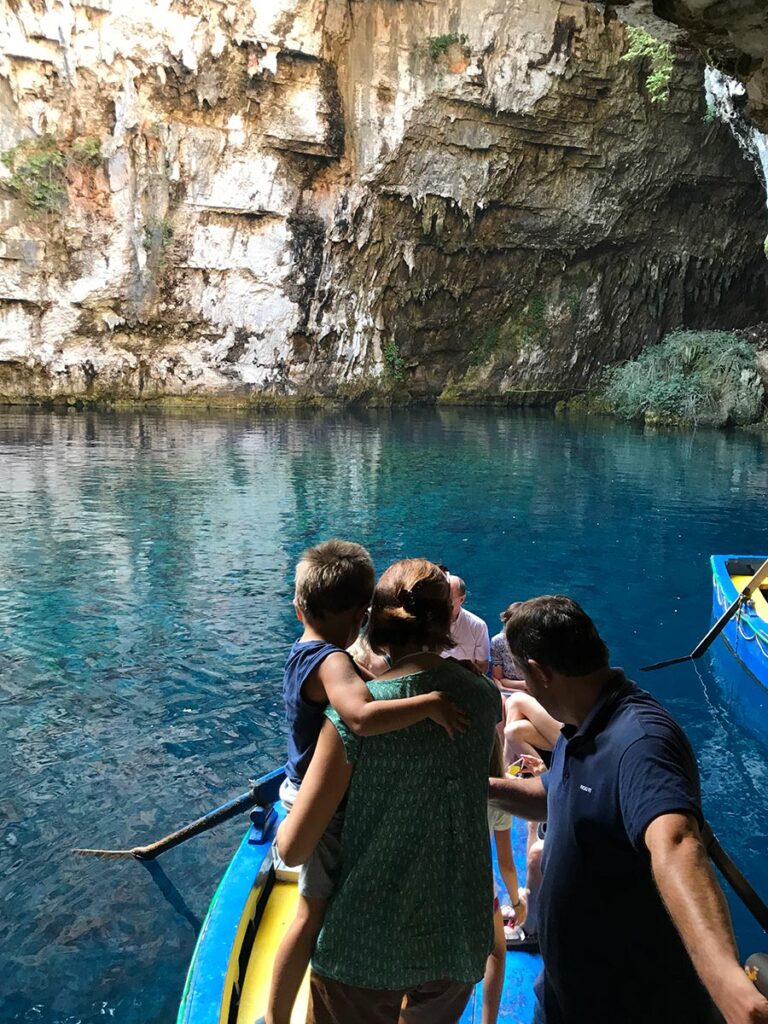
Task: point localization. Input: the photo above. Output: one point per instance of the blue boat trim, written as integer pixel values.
(250, 868)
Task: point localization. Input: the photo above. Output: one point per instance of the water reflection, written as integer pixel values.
(145, 583)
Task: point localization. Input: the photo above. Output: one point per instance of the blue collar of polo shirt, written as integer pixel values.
(616, 686)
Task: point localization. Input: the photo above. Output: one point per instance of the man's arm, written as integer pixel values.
(698, 909)
(525, 798)
(351, 698)
(319, 795)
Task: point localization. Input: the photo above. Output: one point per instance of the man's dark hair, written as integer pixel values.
(557, 632)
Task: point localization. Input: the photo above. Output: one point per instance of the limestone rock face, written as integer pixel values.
(473, 198)
(735, 34)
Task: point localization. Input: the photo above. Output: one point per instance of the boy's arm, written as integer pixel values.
(351, 698)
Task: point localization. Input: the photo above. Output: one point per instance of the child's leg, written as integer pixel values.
(493, 982)
(533, 877)
(523, 705)
(292, 959)
(519, 738)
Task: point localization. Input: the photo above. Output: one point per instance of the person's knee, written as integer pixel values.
(516, 729)
(310, 912)
(498, 954)
(534, 855)
(515, 708)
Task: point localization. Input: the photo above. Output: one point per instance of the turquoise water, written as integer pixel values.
(145, 566)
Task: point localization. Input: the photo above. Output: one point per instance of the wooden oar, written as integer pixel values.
(735, 878)
(760, 576)
(264, 791)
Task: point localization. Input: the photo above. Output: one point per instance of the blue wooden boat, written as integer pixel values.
(229, 975)
(746, 634)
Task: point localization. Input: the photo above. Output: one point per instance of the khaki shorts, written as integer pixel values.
(319, 873)
(436, 1002)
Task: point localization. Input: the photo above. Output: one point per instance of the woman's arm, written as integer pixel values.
(320, 793)
(497, 673)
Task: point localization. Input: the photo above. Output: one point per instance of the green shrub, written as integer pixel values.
(86, 150)
(439, 44)
(706, 377)
(394, 364)
(644, 46)
(37, 173)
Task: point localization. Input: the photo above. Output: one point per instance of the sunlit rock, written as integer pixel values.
(312, 197)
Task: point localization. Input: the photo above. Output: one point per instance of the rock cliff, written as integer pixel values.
(466, 198)
(733, 34)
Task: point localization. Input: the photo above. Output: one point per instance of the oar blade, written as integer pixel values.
(665, 664)
(106, 854)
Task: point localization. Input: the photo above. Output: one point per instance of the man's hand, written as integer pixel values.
(747, 1005)
(447, 714)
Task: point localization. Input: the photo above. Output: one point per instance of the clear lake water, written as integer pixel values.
(145, 588)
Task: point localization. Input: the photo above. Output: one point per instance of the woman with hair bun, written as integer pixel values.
(411, 915)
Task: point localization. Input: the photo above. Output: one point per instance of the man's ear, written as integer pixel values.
(541, 673)
(299, 615)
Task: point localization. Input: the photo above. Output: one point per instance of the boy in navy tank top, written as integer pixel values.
(334, 586)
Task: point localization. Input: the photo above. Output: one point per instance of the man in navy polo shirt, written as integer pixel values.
(633, 926)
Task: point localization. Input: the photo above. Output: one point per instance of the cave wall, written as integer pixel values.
(473, 198)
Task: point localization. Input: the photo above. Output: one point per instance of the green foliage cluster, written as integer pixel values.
(86, 150)
(439, 44)
(38, 167)
(528, 327)
(642, 45)
(37, 172)
(698, 377)
(394, 364)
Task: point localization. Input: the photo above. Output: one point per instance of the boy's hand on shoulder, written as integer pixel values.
(446, 714)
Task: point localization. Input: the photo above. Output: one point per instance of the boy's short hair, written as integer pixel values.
(555, 631)
(411, 604)
(332, 577)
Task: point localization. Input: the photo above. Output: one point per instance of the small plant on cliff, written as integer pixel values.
(37, 173)
(439, 44)
(707, 377)
(644, 46)
(86, 150)
(394, 364)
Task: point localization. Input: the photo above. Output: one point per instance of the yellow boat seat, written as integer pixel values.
(760, 603)
(278, 915)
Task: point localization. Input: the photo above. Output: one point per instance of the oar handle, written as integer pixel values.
(228, 810)
(757, 969)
